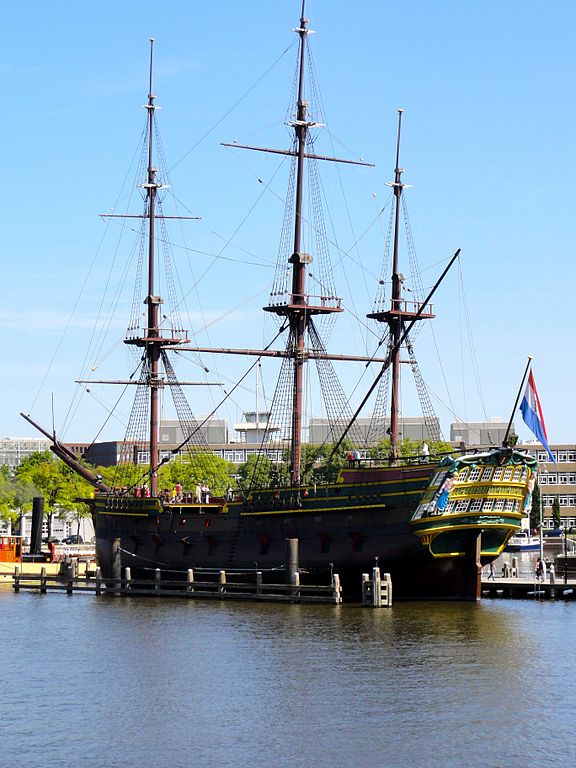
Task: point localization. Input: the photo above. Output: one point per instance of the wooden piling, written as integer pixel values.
(292, 564)
(216, 585)
(116, 564)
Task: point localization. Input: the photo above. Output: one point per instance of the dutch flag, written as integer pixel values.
(532, 414)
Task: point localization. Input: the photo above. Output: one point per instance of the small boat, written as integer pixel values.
(523, 541)
(10, 549)
(430, 518)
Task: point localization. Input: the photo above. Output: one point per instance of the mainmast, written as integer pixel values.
(299, 317)
(153, 301)
(299, 310)
(300, 307)
(400, 309)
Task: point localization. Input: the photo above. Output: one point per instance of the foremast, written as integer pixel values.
(152, 341)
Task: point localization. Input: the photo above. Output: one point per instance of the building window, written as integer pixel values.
(563, 479)
(562, 457)
(499, 506)
(497, 474)
(563, 501)
(487, 473)
(488, 505)
(476, 505)
(474, 475)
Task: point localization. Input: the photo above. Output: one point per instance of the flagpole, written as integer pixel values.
(506, 436)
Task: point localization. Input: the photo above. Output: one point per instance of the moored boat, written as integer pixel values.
(523, 541)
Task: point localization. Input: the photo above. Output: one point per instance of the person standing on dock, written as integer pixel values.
(491, 572)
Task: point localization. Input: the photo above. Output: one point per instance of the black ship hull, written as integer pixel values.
(363, 520)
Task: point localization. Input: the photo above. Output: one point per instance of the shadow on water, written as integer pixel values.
(142, 682)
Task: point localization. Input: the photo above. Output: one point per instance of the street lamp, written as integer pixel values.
(543, 469)
(565, 555)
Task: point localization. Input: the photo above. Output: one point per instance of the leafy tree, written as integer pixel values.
(381, 452)
(535, 508)
(330, 461)
(557, 519)
(204, 468)
(60, 486)
(257, 471)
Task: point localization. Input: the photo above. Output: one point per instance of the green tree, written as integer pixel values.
(381, 452)
(205, 468)
(257, 471)
(557, 519)
(60, 486)
(329, 461)
(535, 508)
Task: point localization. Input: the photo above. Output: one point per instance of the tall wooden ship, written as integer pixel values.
(430, 521)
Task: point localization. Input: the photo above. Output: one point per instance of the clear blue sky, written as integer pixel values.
(488, 146)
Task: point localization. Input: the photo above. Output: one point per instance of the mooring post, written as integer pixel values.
(43, 580)
(69, 577)
(190, 580)
(296, 584)
(157, 580)
(116, 565)
(376, 588)
(258, 582)
(127, 578)
(292, 561)
(222, 587)
(387, 590)
(16, 578)
(336, 588)
(365, 589)
(98, 578)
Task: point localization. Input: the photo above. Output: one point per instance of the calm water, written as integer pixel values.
(96, 682)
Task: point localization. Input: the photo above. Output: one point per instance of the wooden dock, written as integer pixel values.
(529, 588)
(215, 586)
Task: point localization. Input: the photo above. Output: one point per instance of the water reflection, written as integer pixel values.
(172, 683)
